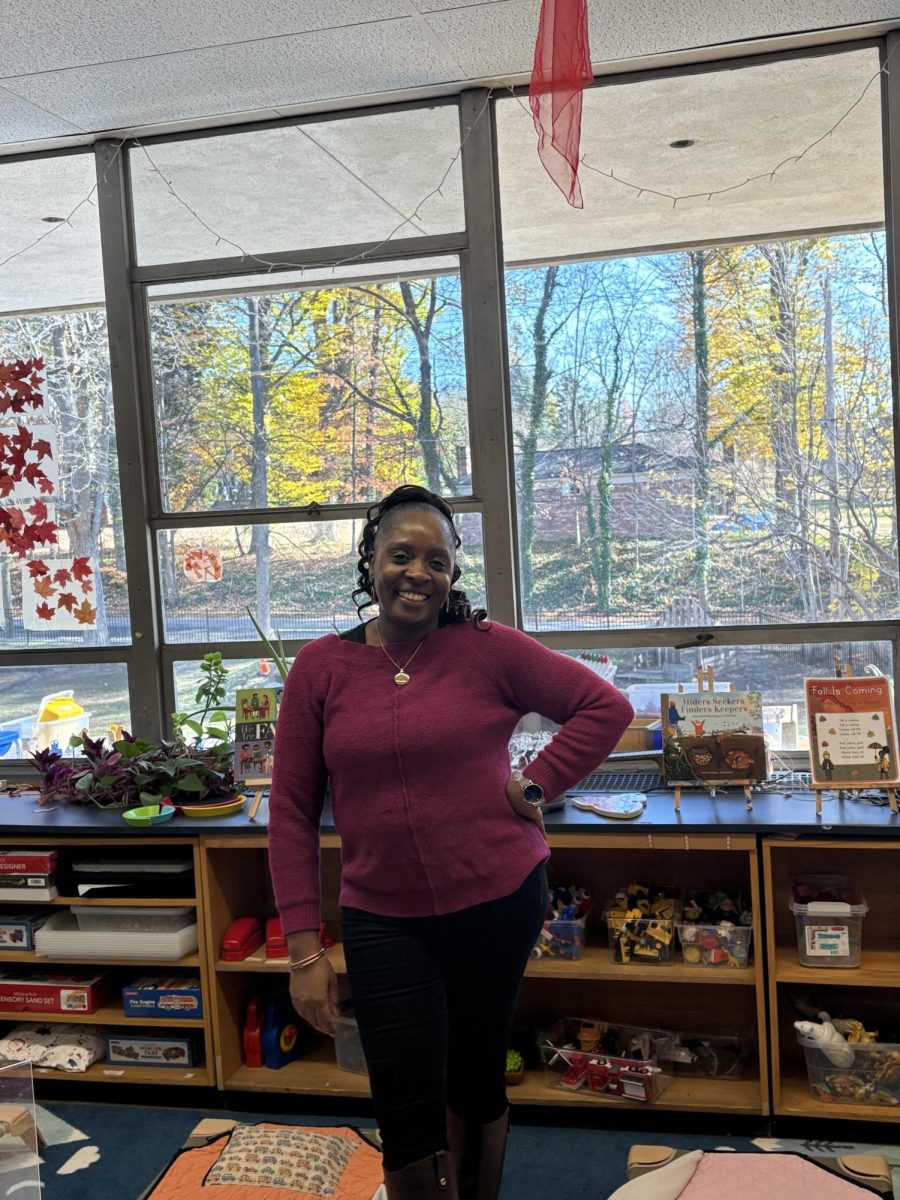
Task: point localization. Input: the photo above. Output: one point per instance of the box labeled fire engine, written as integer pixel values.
(127, 1051)
(157, 997)
(17, 929)
(53, 993)
(27, 862)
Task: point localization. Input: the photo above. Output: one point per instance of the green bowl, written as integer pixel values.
(150, 814)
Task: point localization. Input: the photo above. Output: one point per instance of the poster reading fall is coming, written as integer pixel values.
(852, 740)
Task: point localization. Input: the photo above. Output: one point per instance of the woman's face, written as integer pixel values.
(411, 569)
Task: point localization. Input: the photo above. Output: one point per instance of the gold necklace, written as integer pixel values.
(401, 678)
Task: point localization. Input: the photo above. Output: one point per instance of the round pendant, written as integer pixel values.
(401, 678)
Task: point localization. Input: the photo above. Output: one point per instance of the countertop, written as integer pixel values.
(773, 814)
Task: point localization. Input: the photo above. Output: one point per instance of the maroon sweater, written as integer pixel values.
(418, 773)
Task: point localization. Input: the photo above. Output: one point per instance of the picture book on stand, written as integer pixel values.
(715, 737)
(256, 711)
(852, 739)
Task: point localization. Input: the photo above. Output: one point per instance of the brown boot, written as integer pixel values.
(478, 1151)
(431, 1178)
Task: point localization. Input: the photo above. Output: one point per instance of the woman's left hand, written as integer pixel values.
(520, 805)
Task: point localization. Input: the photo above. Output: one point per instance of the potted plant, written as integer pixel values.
(133, 771)
(208, 726)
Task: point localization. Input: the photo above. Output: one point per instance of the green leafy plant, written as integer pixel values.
(133, 771)
(209, 725)
(278, 656)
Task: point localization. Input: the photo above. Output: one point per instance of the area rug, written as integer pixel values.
(114, 1152)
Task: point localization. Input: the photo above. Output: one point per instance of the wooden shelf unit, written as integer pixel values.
(236, 883)
(111, 1014)
(875, 864)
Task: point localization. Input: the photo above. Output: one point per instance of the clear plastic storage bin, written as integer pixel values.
(347, 1046)
(829, 931)
(715, 945)
(570, 1067)
(560, 939)
(642, 941)
(137, 920)
(872, 1078)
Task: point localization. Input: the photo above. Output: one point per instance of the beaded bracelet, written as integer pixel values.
(308, 961)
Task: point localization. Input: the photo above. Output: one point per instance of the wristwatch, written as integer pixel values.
(532, 793)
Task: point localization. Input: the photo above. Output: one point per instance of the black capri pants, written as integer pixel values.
(435, 998)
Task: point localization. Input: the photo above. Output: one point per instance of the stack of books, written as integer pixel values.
(28, 875)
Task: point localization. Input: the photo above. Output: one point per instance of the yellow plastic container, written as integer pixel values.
(59, 718)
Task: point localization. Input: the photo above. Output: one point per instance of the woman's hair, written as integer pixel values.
(458, 608)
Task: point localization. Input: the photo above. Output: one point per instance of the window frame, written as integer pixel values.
(150, 660)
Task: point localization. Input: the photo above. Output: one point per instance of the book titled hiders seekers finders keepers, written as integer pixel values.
(713, 737)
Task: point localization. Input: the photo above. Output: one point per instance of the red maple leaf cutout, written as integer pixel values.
(67, 601)
(42, 531)
(86, 587)
(7, 483)
(15, 517)
(38, 510)
(46, 486)
(23, 438)
(62, 577)
(43, 587)
(85, 614)
(32, 473)
(42, 449)
(81, 569)
(38, 568)
(44, 611)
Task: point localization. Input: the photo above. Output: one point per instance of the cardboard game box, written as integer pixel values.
(53, 993)
(17, 930)
(132, 1051)
(157, 997)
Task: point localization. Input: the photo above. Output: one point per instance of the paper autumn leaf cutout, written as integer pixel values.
(46, 485)
(43, 587)
(7, 483)
(42, 449)
(62, 577)
(84, 614)
(20, 384)
(38, 510)
(81, 569)
(45, 611)
(37, 568)
(66, 600)
(23, 438)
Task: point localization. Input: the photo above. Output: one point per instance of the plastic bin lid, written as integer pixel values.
(60, 708)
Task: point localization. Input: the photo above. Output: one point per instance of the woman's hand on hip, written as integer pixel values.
(520, 805)
(314, 995)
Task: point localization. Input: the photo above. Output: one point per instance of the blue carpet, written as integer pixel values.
(135, 1144)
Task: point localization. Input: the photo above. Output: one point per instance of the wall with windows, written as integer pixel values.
(669, 413)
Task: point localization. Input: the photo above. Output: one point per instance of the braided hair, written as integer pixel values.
(457, 607)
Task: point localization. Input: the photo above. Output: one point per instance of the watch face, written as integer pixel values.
(534, 794)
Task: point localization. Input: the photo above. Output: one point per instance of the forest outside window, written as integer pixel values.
(312, 390)
(705, 434)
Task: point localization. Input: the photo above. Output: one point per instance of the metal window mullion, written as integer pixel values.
(722, 635)
(282, 516)
(890, 140)
(117, 247)
(55, 656)
(363, 253)
(487, 363)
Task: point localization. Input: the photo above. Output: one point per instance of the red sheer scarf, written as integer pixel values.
(562, 66)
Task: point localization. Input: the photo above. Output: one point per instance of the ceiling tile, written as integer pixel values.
(24, 122)
(52, 35)
(249, 77)
(494, 39)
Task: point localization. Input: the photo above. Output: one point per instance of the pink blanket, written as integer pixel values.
(751, 1176)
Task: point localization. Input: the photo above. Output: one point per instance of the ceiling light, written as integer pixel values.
(682, 143)
(53, 220)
